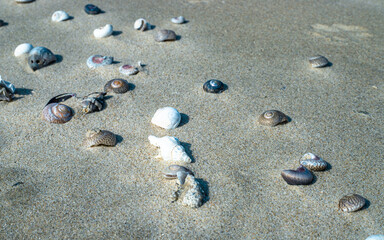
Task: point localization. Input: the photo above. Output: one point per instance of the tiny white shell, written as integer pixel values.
(103, 32)
(178, 20)
(23, 49)
(60, 16)
(170, 149)
(140, 24)
(167, 118)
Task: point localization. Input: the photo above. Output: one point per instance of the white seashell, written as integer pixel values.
(170, 149)
(60, 16)
(23, 49)
(178, 20)
(167, 118)
(193, 196)
(375, 237)
(103, 32)
(141, 24)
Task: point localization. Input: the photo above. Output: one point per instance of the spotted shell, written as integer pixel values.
(57, 113)
(172, 171)
(213, 86)
(272, 118)
(351, 203)
(300, 176)
(96, 137)
(117, 86)
(318, 61)
(165, 35)
(313, 162)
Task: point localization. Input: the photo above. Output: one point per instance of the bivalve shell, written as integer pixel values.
(128, 70)
(178, 20)
(59, 16)
(351, 203)
(272, 118)
(141, 24)
(167, 118)
(165, 35)
(300, 176)
(57, 113)
(313, 162)
(96, 137)
(23, 49)
(318, 61)
(117, 86)
(103, 32)
(96, 61)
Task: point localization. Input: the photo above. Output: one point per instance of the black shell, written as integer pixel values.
(91, 9)
(213, 86)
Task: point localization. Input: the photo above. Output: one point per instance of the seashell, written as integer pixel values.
(172, 171)
(375, 237)
(91, 9)
(213, 86)
(22, 49)
(57, 113)
(141, 24)
(313, 162)
(272, 118)
(167, 118)
(96, 137)
(60, 16)
(103, 32)
(117, 86)
(24, 1)
(178, 20)
(93, 104)
(170, 149)
(165, 35)
(96, 61)
(7, 90)
(300, 176)
(40, 57)
(193, 196)
(128, 70)
(318, 61)
(351, 203)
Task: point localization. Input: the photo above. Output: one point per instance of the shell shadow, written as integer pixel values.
(24, 91)
(116, 33)
(59, 58)
(131, 86)
(187, 147)
(205, 189)
(184, 119)
(329, 64)
(314, 179)
(366, 205)
(178, 37)
(70, 18)
(4, 24)
(289, 119)
(329, 167)
(119, 139)
(151, 27)
(105, 104)
(115, 62)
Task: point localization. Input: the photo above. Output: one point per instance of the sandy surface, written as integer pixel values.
(260, 50)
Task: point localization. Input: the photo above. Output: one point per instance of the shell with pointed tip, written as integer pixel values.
(96, 137)
(172, 171)
(96, 61)
(313, 162)
(59, 16)
(23, 49)
(272, 118)
(300, 176)
(117, 86)
(375, 237)
(318, 61)
(57, 113)
(128, 70)
(170, 149)
(178, 20)
(165, 35)
(103, 32)
(140, 24)
(167, 118)
(351, 203)
(193, 196)
(40, 57)
(7, 90)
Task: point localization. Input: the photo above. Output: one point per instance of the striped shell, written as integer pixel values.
(117, 86)
(96, 137)
(57, 113)
(313, 162)
(318, 61)
(300, 176)
(351, 203)
(272, 118)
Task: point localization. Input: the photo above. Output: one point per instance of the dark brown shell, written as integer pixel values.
(272, 118)
(117, 86)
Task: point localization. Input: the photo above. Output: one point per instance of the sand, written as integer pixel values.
(53, 188)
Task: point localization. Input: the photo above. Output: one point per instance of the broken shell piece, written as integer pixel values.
(193, 196)
(167, 118)
(141, 24)
(117, 86)
(272, 118)
(172, 171)
(23, 49)
(7, 90)
(93, 103)
(59, 16)
(313, 162)
(165, 35)
(103, 32)
(96, 137)
(300, 176)
(40, 57)
(178, 20)
(170, 149)
(351, 203)
(96, 61)
(318, 61)
(128, 70)
(57, 113)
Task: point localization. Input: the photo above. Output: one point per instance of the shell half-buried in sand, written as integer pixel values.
(40, 57)
(165, 35)
(351, 203)
(272, 118)
(97, 137)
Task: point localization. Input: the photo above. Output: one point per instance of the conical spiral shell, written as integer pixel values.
(117, 86)
(272, 118)
(57, 113)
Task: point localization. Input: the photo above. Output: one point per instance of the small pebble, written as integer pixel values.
(92, 9)
(178, 20)
(318, 61)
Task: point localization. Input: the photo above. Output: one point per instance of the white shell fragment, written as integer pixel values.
(141, 24)
(193, 196)
(103, 32)
(60, 16)
(23, 49)
(178, 20)
(170, 149)
(167, 118)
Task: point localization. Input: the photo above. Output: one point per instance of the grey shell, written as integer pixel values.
(213, 86)
(272, 118)
(93, 103)
(40, 57)
(172, 171)
(96, 137)
(351, 203)
(117, 86)
(96, 61)
(300, 176)
(314, 163)
(165, 35)
(318, 61)
(7, 91)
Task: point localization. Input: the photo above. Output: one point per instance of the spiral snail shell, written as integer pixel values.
(300, 176)
(272, 118)
(351, 203)
(57, 113)
(117, 86)
(172, 171)
(213, 86)
(170, 149)
(96, 137)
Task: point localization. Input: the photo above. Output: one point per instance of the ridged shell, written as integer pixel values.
(167, 118)
(96, 61)
(318, 61)
(91, 9)
(313, 162)
(300, 176)
(23, 49)
(59, 16)
(171, 171)
(96, 137)
(272, 118)
(140, 24)
(128, 70)
(165, 35)
(351, 203)
(178, 20)
(117, 86)
(103, 32)
(57, 113)
(40, 57)
(213, 86)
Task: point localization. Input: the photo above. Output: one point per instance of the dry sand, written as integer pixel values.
(260, 50)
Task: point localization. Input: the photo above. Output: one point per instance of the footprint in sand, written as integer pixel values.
(340, 33)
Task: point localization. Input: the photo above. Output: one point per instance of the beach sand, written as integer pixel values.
(53, 188)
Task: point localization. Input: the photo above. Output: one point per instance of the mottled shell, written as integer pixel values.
(40, 57)
(351, 203)
(59, 16)
(103, 32)
(318, 61)
(57, 113)
(96, 61)
(313, 162)
(23, 49)
(178, 20)
(165, 35)
(213, 86)
(171, 171)
(272, 118)
(140, 24)
(96, 137)
(128, 70)
(91, 9)
(93, 103)
(300, 176)
(117, 86)
(167, 118)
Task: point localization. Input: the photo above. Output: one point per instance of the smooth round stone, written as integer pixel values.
(213, 86)
(91, 9)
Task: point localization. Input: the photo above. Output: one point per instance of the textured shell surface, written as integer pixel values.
(57, 113)
(140, 24)
(96, 61)
(7, 90)
(117, 86)
(103, 32)
(167, 118)
(318, 61)
(165, 35)
(178, 20)
(40, 57)
(91, 9)
(23, 49)
(300, 176)
(375, 237)
(170, 149)
(59, 16)
(213, 86)
(128, 69)
(351, 203)
(193, 196)
(171, 171)
(272, 118)
(93, 103)
(97, 137)
(313, 162)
